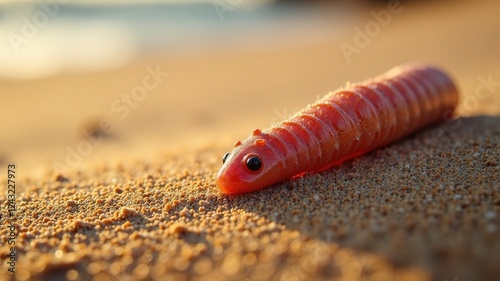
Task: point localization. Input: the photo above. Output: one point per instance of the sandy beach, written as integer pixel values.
(114, 188)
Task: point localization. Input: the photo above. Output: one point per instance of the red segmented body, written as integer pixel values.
(343, 124)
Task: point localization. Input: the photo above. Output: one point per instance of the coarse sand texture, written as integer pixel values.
(416, 209)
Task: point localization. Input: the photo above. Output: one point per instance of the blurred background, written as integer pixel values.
(87, 81)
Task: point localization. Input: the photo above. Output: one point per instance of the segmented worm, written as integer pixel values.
(345, 123)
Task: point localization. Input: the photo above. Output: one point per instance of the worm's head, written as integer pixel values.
(251, 165)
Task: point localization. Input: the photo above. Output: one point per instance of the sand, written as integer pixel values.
(143, 205)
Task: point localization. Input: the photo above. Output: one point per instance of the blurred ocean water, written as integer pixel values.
(45, 38)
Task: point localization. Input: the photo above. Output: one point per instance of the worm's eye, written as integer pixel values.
(224, 158)
(254, 163)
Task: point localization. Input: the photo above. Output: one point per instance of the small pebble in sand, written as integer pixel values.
(80, 224)
(59, 177)
(179, 229)
(127, 212)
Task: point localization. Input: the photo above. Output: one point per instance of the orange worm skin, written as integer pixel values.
(345, 123)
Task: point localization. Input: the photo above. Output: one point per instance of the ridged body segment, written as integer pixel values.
(362, 117)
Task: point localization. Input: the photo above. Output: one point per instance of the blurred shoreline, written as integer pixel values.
(44, 39)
